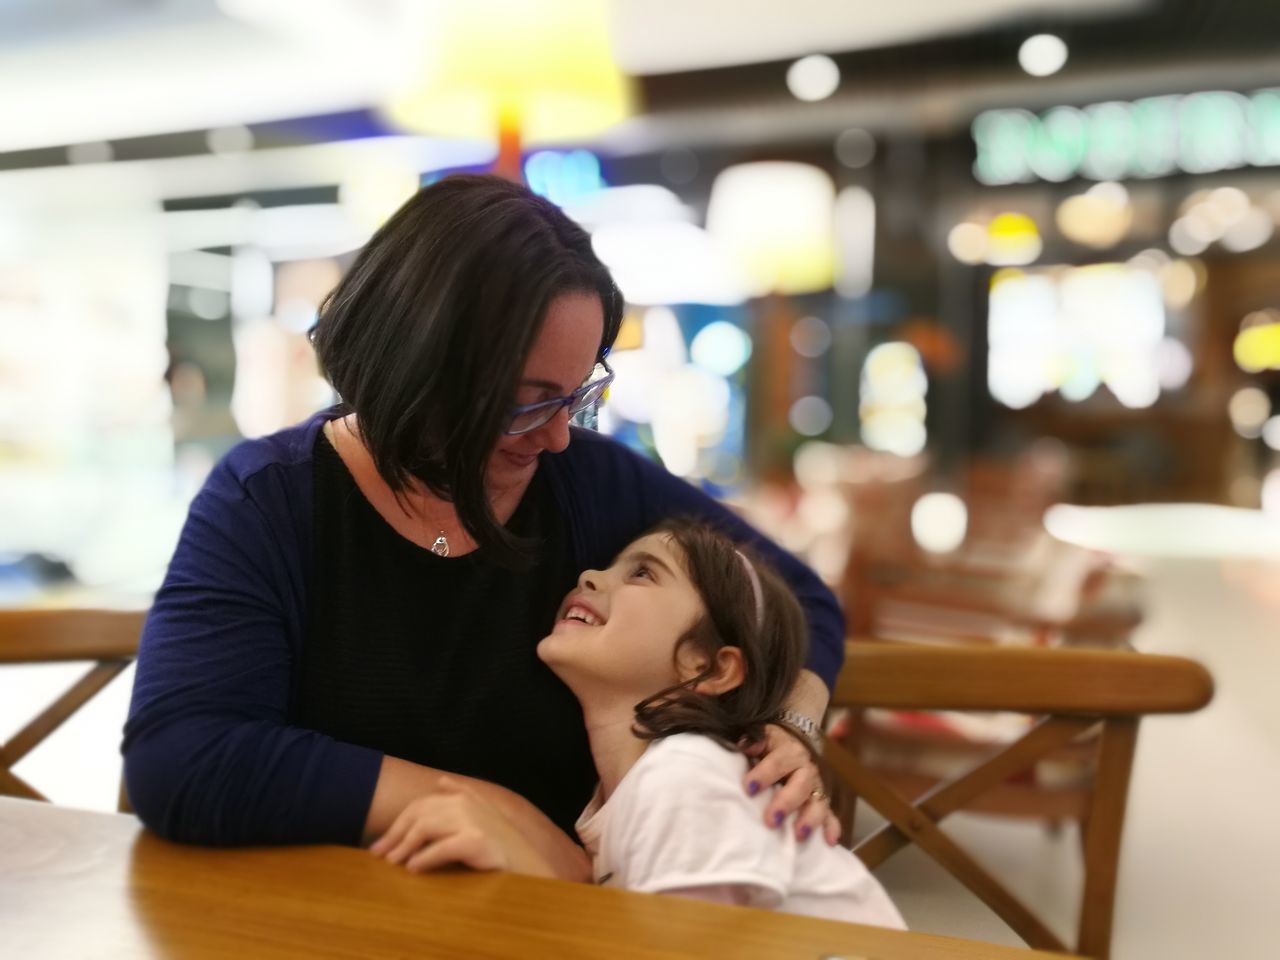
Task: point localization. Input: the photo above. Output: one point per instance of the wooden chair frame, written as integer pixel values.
(1075, 692)
(107, 637)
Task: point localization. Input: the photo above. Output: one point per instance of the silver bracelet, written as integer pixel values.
(804, 725)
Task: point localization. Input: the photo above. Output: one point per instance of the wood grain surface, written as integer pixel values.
(89, 885)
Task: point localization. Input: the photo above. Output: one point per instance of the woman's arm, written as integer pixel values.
(210, 755)
(809, 697)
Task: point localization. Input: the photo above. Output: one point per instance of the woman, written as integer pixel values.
(354, 604)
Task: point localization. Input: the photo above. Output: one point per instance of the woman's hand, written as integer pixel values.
(781, 759)
(455, 826)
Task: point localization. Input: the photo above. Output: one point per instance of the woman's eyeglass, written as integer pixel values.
(531, 416)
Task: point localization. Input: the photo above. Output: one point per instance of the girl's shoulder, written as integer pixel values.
(692, 756)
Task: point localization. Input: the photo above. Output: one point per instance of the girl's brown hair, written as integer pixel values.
(773, 646)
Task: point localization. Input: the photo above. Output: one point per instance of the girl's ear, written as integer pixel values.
(730, 671)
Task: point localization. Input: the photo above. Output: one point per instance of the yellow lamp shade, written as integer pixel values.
(544, 69)
(776, 221)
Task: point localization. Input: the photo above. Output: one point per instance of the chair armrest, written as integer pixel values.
(1056, 681)
(48, 635)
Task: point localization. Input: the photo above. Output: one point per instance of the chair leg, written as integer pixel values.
(123, 805)
(11, 785)
(1102, 837)
(844, 799)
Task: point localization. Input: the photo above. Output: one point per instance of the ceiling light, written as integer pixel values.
(1042, 55)
(814, 77)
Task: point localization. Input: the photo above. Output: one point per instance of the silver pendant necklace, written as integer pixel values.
(441, 547)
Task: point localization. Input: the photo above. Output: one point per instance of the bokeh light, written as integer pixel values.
(855, 148)
(1249, 408)
(721, 348)
(813, 78)
(1270, 495)
(810, 416)
(1099, 218)
(967, 242)
(939, 522)
(817, 464)
(1042, 55)
(1257, 345)
(1271, 433)
(1012, 240)
(892, 408)
(811, 337)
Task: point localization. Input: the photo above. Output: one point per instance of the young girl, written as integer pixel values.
(680, 650)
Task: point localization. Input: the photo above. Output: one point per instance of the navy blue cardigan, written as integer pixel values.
(210, 755)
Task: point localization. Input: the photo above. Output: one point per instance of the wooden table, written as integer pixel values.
(89, 885)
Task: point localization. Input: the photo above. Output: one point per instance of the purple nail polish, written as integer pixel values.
(777, 819)
(804, 832)
(752, 788)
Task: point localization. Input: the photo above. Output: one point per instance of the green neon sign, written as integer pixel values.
(1197, 133)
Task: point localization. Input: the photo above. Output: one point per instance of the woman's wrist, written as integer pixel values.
(803, 728)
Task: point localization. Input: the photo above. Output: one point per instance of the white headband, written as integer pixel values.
(755, 587)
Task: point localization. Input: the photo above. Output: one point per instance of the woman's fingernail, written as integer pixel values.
(777, 818)
(804, 832)
(752, 788)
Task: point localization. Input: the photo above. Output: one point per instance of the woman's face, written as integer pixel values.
(617, 631)
(562, 357)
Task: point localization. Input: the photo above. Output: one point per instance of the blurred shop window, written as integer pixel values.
(86, 448)
(1073, 330)
(278, 381)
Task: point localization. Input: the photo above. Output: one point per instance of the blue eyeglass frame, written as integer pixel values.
(553, 405)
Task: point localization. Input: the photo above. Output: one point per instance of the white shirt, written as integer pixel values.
(680, 821)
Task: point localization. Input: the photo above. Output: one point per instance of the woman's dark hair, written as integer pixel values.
(426, 335)
(773, 647)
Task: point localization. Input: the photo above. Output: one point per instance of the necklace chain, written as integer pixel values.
(440, 546)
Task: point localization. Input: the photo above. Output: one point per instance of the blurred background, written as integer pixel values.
(975, 306)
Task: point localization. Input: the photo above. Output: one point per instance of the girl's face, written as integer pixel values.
(617, 632)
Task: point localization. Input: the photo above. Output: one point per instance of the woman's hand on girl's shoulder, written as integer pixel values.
(781, 759)
(455, 826)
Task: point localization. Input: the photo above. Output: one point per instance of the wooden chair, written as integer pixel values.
(1074, 693)
(109, 638)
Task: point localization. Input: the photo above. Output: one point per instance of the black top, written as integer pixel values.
(432, 659)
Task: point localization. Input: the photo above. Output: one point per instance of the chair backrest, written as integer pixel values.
(1074, 693)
